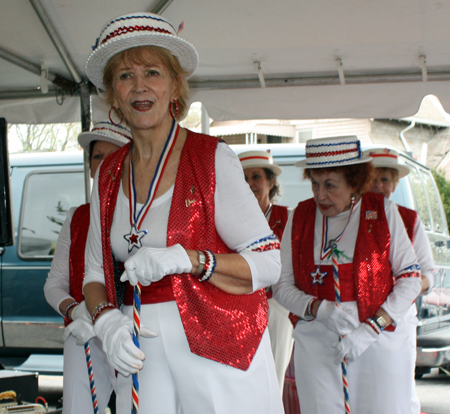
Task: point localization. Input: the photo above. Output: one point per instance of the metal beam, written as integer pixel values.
(161, 6)
(54, 78)
(54, 36)
(299, 80)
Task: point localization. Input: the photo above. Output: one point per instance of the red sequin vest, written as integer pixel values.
(278, 219)
(219, 326)
(372, 272)
(409, 218)
(79, 227)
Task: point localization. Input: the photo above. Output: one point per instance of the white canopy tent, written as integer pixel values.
(259, 59)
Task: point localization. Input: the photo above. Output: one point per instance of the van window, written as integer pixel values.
(433, 201)
(47, 196)
(420, 198)
(293, 187)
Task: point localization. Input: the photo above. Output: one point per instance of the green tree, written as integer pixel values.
(444, 189)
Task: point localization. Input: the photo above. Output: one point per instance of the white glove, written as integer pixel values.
(354, 344)
(81, 330)
(80, 312)
(149, 264)
(336, 319)
(115, 331)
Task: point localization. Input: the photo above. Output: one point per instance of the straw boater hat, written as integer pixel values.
(105, 131)
(259, 159)
(332, 152)
(387, 158)
(134, 30)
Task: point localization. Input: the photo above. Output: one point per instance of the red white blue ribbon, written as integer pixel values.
(87, 351)
(337, 291)
(135, 236)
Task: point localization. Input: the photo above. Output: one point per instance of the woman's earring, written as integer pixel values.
(114, 109)
(352, 200)
(177, 110)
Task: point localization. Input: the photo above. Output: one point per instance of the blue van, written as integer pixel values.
(45, 185)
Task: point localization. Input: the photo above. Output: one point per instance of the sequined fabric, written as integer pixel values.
(372, 274)
(108, 186)
(79, 227)
(278, 219)
(219, 326)
(409, 218)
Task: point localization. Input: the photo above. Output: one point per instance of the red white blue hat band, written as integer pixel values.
(134, 30)
(105, 131)
(259, 159)
(387, 158)
(332, 152)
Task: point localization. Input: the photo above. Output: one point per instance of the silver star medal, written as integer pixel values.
(134, 238)
(318, 276)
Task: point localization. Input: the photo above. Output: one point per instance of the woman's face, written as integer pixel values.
(101, 151)
(143, 92)
(259, 183)
(383, 183)
(332, 193)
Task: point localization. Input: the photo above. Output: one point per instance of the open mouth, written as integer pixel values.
(142, 105)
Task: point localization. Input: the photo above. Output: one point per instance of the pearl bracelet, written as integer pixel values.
(68, 307)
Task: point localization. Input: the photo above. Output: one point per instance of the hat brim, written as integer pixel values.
(273, 167)
(303, 163)
(185, 53)
(85, 138)
(403, 170)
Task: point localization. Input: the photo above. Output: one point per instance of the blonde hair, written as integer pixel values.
(139, 55)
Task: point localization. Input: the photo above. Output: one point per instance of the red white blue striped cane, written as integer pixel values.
(337, 292)
(136, 332)
(87, 351)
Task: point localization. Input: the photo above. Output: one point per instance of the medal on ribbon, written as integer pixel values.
(134, 238)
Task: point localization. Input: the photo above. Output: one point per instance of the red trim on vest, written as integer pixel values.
(409, 218)
(278, 219)
(219, 326)
(372, 274)
(79, 227)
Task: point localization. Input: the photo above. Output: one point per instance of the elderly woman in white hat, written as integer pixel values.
(341, 252)
(174, 209)
(261, 175)
(63, 287)
(388, 174)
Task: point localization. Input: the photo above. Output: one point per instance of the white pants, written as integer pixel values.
(411, 321)
(176, 381)
(76, 387)
(281, 341)
(379, 380)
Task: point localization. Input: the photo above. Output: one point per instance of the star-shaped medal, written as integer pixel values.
(134, 238)
(318, 276)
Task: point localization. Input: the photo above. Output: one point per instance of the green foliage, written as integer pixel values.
(444, 189)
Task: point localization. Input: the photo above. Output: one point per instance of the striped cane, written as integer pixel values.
(136, 332)
(337, 292)
(87, 351)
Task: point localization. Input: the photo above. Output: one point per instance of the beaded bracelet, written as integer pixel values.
(100, 308)
(309, 308)
(68, 307)
(209, 266)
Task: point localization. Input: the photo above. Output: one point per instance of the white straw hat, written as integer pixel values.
(259, 159)
(332, 152)
(105, 131)
(387, 158)
(134, 30)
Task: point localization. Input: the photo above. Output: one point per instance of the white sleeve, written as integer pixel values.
(57, 285)
(403, 262)
(239, 219)
(424, 254)
(285, 291)
(94, 255)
